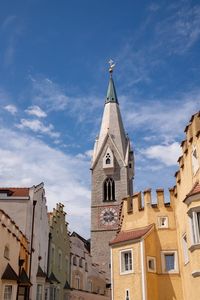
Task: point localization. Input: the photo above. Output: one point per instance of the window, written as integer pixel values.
(86, 267)
(195, 225)
(90, 286)
(59, 260)
(108, 160)
(77, 282)
(81, 262)
(151, 264)
(127, 294)
(163, 222)
(6, 252)
(109, 189)
(74, 261)
(53, 293)
(185, 249)
(8, 292)
(126, 262)
(195, 161)
(169, 261)
(39, 292)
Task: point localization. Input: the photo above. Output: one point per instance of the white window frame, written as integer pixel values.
(149, 258)
(122, 252)
(195, 161)
(194, 226)
(127, 297)
(160, 225)
(4, 290)
(39, 291)
(185, 248)
(169, 252)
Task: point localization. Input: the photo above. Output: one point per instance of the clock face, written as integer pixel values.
(108, 216)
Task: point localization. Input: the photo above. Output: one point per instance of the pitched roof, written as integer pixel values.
(53, 278)
(15, 192)
(195, 190)
(23, 278)
(66, 286)
(9, 274)
(111, 93)
(124, 236)
(40, 272)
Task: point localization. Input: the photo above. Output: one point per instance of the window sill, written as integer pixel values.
(126, 272)
(194, 247)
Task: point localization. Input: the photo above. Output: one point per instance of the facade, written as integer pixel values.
(27, 207)
(145, 260)
(112, 174)
(87, 280)
(155, 254)
(59, 255)
(14, 260)
(187, 209)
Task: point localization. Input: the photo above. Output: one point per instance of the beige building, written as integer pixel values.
(156, 253)
(87, 280)
(59, 255)
(27, 207)
(187, 210)
(14, 282)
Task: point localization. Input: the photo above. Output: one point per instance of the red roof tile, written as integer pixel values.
(124, 236)
(15, 192)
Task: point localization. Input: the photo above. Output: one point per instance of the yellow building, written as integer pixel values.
(187, 210)
(156, 253)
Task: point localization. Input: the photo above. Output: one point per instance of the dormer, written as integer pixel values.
(108, 160)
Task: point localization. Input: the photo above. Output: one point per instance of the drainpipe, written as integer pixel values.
(143, 279)
(32, 231)
(49, 249)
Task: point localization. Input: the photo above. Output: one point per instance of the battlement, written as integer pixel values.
(192, 131)
(143, 200)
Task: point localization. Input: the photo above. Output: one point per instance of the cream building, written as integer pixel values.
(14, 282)
(27, 207)
(87, 280)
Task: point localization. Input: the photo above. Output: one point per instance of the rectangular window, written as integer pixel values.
(151, 264)
(39, 292)
(126, 261)
(195, 226)
(77, 282)
(169, 261)
(8, 292)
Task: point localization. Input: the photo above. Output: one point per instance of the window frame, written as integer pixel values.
(185, 249)
(122, 267)
(159, 219)
(109, 189)
(127, 294)
(149, 258)
(4, 290)
(176, 267)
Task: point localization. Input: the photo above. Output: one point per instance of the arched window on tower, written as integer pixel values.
(109, 189)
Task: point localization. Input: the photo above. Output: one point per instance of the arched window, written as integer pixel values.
(108, 159)
(109, 189)
(6, 252)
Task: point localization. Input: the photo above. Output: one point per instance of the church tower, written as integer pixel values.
(112, 175)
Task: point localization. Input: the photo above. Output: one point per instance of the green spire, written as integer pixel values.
(111, 93)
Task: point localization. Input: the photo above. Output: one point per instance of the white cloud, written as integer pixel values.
(38, 127)
(25, 161)
(166, 118)
(36, 111)
(167, 154)
(11, 109)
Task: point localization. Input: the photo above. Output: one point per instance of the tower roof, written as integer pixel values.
(111, 93)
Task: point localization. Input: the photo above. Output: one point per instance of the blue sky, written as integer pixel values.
(53, 82)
